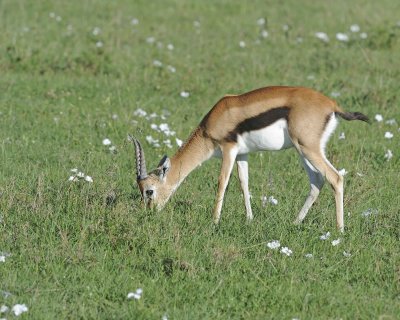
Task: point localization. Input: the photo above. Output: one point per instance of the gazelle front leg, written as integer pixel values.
(243, 172)
(229, 153)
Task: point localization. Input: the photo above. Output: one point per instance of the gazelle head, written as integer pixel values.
(153, 186)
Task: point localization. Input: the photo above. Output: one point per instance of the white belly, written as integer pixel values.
(273, 137)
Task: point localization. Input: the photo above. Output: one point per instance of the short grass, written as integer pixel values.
(78, 248)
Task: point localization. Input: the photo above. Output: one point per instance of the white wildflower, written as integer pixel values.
(185, 94)
(388, 135)
(75, 170)
(342, 136)
(157, 63)
(285, 27)
(99, 44)
(4, 309)
(272, 200)
(242, 44)
(363, 35)
(274, 244)
(325, 236)
(355, 28)
(369, 212)
(80, 175)
(52, 15)
(164, 317)
(134, 21)
(58, 19)
(170, 46)
(154, 127)
(72, 178)
(346, 254)
(88, 179)
(342, 172)
(179, 142)
(309, 255)
(378, 117)
(388, 154)
(261, 21)
(18, 309)
(196, 24)
(287, 251)
(264, 34)
(335, 94)
(135, 295)
(168, 143)
(311, 77)
(140, 113)
(96, 31)
(106, 142)
(150, 40)
(322, 36)
(391, 122)
(335, 242)
(113, 149)
(114, 116)
(171, 69)
(342, 37)
(2, 258)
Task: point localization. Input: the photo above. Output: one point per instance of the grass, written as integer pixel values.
(77, 249)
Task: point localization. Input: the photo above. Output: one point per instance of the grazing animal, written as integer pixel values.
(271, 118)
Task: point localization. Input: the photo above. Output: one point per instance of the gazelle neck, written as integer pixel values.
(197, 149)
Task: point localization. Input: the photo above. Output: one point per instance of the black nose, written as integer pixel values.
(149, 193)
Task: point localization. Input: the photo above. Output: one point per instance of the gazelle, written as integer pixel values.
(271, 118)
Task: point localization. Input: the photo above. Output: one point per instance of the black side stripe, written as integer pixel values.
(257, 122)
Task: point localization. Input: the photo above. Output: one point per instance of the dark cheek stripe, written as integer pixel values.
(257, 122)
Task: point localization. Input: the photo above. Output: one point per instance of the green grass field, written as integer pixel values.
(75, 72)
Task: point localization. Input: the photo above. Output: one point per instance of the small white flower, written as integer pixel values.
(388, 154)
(18, 309)
(196, 24)
(99, 44)
(179, 142)
(242, 44)
(114, 116)
(96, 31)
(58, 19)
(75, 170)
(309, 255)
(355, 28)
(170, 46)
(4, 309)
(140, 113)
(185, 94)
(2, 258)
(378, 117)
(369, 212)
(171, 69)
(342, 37)
(322, 36)
(388, 135)
(274, 244)
(135, 295)
(261, 21)
(154, 126)
(52, 15)
(134, 21)
(325, 236)
(342, 172)
(391, 122)
(287, 251)
(272, 200)
(285, 27)
(150, 40)
(106, 142)
(335, 94)
(342, 136)
(112, 149)
(72, 178)
(168, 143)
(157, 63)
(80, 175)
(335, 242)
(363, 35)
(88, 179)
(311, 77)
(346, 254)
(264, 34)
(164, 317)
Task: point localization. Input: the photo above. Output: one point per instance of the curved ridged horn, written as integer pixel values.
(140, 161)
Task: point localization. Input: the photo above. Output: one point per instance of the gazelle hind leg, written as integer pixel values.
(319, 161)
(316, 184)
(229, 153)
(243, 172)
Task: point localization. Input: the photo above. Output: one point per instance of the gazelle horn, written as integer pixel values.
(140, 161)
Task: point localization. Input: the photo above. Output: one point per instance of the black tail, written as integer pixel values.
(353, 116)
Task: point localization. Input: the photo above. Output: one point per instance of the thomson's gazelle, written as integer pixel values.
(271, 118)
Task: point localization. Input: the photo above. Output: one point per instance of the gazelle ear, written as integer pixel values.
(164, 166)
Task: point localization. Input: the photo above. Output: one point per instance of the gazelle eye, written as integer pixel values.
(149, 193)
